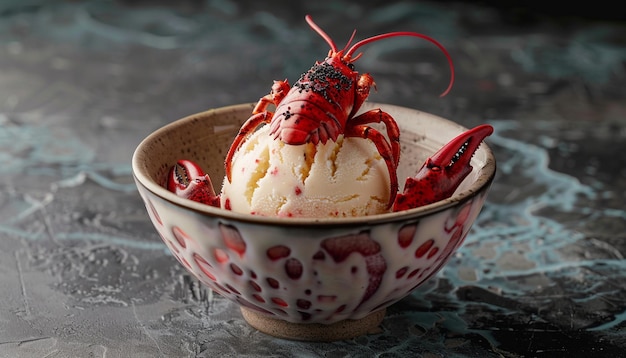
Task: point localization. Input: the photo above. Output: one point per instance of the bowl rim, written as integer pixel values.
(482, 183)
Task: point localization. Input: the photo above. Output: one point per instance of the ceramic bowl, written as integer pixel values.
(299, 278)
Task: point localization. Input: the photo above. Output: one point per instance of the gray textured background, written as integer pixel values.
(84, 274)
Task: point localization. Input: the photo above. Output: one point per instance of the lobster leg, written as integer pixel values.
(385, 150)
(442, 173)
(393, 132)
(277, 93)
(363, 86)
(249, 126)
(186, 179)
(260, 114)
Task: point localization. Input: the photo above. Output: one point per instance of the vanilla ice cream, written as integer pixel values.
(338, 179)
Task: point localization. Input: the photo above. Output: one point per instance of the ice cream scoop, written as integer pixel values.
(343, 178)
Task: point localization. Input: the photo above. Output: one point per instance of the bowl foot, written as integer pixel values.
(341, 330)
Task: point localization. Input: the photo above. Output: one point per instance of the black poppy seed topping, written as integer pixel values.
(321, 77)
(287, 114)
(459, 153)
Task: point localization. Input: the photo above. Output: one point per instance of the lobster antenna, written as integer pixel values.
(350, 40)
(321, 32)
(404, 33)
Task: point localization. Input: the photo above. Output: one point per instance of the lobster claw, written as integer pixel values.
(442, 173)
(187, 180)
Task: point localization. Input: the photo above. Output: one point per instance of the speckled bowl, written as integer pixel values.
(307, 279)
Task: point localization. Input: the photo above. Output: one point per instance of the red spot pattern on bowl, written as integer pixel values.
(278, 252)
(204, 266)
(180, 236)
(321, 278)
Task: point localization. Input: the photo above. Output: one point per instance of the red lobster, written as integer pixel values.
(323, 104)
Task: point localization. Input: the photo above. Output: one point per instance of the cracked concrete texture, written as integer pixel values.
(83, 272)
